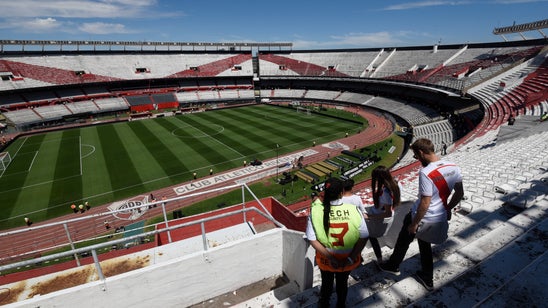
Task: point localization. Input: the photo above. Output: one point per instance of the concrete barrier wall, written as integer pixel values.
(191, 278)
(298, 259)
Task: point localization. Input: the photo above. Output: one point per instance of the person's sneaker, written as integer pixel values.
(426, 282)
(385, 267)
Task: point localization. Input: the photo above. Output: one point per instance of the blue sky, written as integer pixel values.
(307, 24)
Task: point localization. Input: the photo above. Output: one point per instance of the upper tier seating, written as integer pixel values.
(513, 98)
(287, 63)
(407, 62)
(417, 65)
(32, 71)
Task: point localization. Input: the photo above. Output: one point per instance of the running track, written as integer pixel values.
(25, 242)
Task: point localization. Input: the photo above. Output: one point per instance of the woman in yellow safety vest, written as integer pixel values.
(338, 233)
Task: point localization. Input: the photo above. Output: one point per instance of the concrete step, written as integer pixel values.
(482, 235)
(477, 245)
(497, 272)
(471, 273)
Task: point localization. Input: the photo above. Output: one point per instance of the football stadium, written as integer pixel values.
(181, 174)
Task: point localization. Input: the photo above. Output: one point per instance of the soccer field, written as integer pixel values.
(105, 163)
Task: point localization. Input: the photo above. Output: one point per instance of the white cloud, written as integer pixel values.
(65, 9)
(352, 40)
(364, 39)
(367, 40)
(419, 4)
(517, 1)
(87, 16)
(77, 8)
(52, 25)
(133, 2)
(38, 25)
(102, 28)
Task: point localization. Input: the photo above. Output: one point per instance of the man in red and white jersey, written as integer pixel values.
(429, 215)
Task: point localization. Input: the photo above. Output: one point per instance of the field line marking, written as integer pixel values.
(32, 162)
(173, 132)
(122, 188)
(219, 141)
(41, 183)
(16, 173)
(52, 140)
(92, 150)
(26, 138)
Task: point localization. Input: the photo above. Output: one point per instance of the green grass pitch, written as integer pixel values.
(105, 163)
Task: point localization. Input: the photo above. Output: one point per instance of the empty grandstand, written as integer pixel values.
(459, 95)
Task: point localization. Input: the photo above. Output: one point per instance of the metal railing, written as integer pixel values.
(93, 248)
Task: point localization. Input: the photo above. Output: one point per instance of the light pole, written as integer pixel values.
(277, 147)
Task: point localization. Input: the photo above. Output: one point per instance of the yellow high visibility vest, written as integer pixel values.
(343, 233)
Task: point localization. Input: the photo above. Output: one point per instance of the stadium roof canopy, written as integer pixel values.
(536, 25)
(23, 45)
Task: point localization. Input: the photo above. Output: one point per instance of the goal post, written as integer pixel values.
(303, 110)
(5, 160)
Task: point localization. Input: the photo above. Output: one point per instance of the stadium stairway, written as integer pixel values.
(483, 257)
(502, 267)
(499, 246)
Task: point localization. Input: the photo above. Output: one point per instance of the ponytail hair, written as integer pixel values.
(381, 177)
(333, 188)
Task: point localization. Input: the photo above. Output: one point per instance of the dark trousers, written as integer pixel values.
(402, 244)
(341, 281)
(376, 247)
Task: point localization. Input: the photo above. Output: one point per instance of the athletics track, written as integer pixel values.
(32, 240)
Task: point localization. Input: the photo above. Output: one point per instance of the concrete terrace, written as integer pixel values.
(495, 255)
